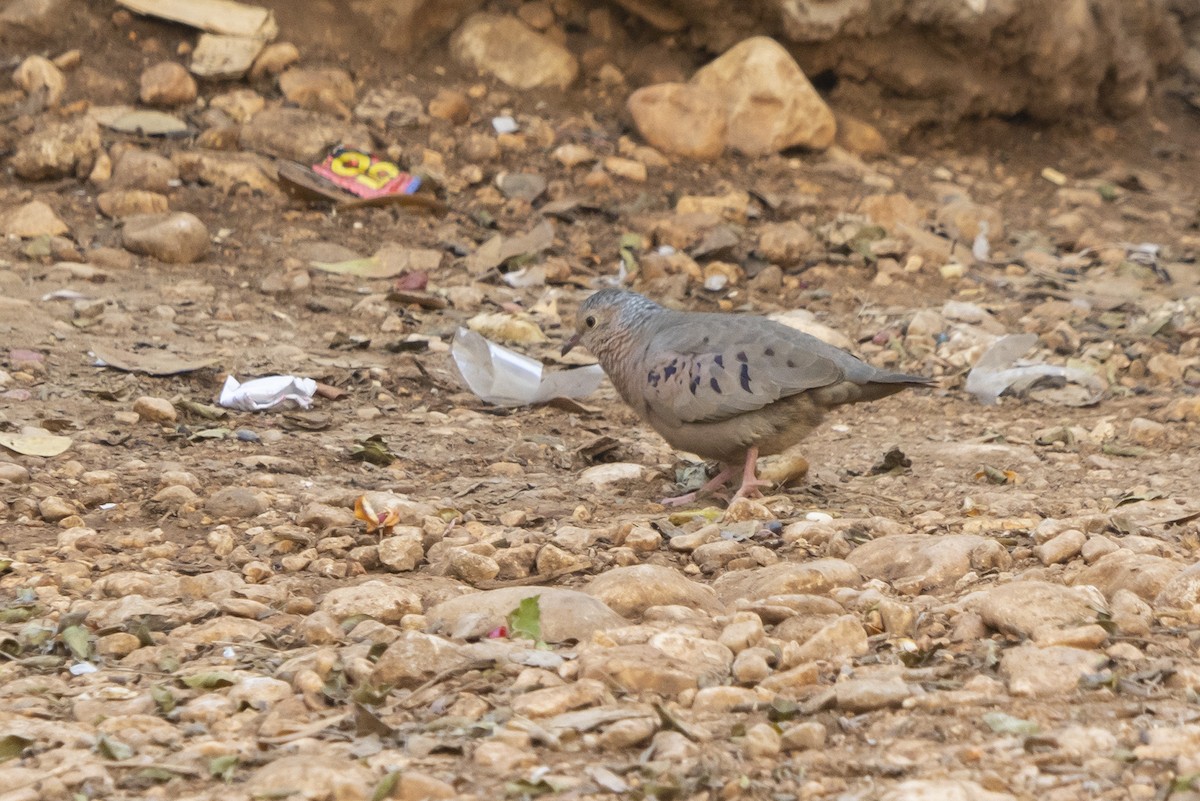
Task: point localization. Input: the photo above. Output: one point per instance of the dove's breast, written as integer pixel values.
(774, 429)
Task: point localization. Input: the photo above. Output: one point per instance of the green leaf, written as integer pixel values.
(526, 619)
(386, 786)
(163, 697)
(223, 767)
(77, 640)
(12, 746)
(113, 749)
(210, 680)
(373, 450)
(1003, 723)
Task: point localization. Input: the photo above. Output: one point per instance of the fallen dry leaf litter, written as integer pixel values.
(406, 592)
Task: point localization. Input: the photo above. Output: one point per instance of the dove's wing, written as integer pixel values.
(704, 368)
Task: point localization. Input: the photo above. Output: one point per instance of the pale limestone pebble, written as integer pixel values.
(11, 473)
(573, 155)
(920, 563)
(404, 550)
(627, 733)
(1030, 670)
(639, 668)
(40, 74)
(52, 508)
(176, 238)
(769, 103)
(833, 640)
(79, 537)
(58, 150)
(513, 52)
(565, 614)
(674, 747)
(259, 692)
(752, 665)
(1061, 548)
(557, 700)
(1037, 609)
(322, 516)
(784, 243)
(643, 540)
(120, 204)
(942, 790)
(604, 475)
(786, 578)
(1097, 547)
(155, 410)
(313, 776)
(502, 759)
(867, 694)
(763, 740)
(1143, 574)
(32, 220)
(175, 497)
(329, 90)
(630, 591)
(167, 84)
(236, 502)
(679, 118)
(722, 700)
(417, 786)
(794, 680)
(118, 645)
(239, 104)
(414, 657)
(381, 601)
(628, 169)
(743, 631)
(274, 59)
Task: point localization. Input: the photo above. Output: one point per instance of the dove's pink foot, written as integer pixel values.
(712, 485)
(750, 480)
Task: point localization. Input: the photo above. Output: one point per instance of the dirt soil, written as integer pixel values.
(188, 560)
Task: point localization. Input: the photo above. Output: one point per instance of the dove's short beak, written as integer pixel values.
(572, 342)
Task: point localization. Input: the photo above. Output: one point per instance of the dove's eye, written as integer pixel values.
(590, 322)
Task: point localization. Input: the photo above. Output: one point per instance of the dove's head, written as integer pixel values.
(608, 318)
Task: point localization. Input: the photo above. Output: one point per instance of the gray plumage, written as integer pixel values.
(719, 385)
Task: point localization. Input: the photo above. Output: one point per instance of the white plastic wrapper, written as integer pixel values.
(998, 371)
(507, 378)
(267, 393)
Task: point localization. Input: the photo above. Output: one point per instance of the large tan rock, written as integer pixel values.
(769, 102)
(680, 119)
(513, 52)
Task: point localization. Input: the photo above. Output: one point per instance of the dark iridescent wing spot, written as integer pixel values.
(791, 363)
(652, 378)
(694, 385)
(768, 352)
(720, 360)
(742, 357)
(745, 377)
(669, 371)
(716, 386)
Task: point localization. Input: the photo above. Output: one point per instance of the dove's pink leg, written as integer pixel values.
(750, 481)
(714, 483)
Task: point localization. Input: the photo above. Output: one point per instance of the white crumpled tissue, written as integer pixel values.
(267, 392)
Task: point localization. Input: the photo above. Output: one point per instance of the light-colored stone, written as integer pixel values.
(155, 410)
(565, 614)
(167, 84)
(177, 238)
(314, 777)
(630, 591)
(557, 700)
(1141, 573)
(942, 790)
(58, 150)
(1062, 548)
(122, 203)
(1038, 609)
(865, 695)
(770, 104)
(680, 119)
(1031, 670)
(804, 736)
(386, 603)
(840, 639)
(415, 657)
(33, 219)
(513, 52)
(40, 74)
(916, 563)
(787, 578)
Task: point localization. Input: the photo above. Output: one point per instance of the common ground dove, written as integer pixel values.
(723, 386)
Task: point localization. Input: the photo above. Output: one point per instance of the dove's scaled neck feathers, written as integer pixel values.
(615, 325)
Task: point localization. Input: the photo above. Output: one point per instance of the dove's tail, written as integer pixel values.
(880, 385)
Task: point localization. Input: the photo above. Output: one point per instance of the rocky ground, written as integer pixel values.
(957, 601)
